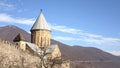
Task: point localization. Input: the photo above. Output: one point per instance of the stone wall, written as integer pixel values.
(10, 44)
(12, 57)
(41, 37)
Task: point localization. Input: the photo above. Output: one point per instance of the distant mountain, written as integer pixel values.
(10, 32)
(82, 56)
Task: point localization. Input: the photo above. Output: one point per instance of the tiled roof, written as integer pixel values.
(40, 23)
(51, 48)
(34, 47)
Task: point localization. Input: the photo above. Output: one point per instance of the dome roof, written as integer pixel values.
(40, 23)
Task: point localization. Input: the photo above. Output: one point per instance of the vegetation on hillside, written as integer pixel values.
(11, 57)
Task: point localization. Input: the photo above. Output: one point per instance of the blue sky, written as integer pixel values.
(89, 23)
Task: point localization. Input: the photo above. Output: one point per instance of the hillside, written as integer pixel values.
(82, 56)
(9, 33)
(11, 57)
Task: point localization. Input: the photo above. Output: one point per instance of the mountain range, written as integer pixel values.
(81, 57)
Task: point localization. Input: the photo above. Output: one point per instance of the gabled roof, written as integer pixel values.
(51, 48)
(40, 23)
(34, 47)
(18, 38)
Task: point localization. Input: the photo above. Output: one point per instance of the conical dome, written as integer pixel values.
(40, 23)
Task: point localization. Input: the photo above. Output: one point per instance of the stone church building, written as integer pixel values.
(40, 40)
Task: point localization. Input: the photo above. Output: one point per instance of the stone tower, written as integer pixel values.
(40, 32)
(19, 40)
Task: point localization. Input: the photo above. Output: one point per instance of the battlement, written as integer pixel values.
(12, 44)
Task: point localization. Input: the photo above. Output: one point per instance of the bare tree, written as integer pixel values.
(49, 62)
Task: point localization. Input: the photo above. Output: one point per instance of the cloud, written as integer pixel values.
(99, 39)
(65, 29)
(85, 36)
(9, 19)
(117, 53)
(64, 38)
(81, 34)
(6, 6)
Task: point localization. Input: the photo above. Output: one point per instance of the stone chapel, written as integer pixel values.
(40, 40)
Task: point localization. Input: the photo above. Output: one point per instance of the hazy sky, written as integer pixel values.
(91, 23)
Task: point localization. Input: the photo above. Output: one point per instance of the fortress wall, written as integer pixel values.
(9, 44)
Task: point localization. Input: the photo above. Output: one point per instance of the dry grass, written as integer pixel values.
(10, 57)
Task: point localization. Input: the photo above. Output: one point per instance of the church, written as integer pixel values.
(40, 40)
